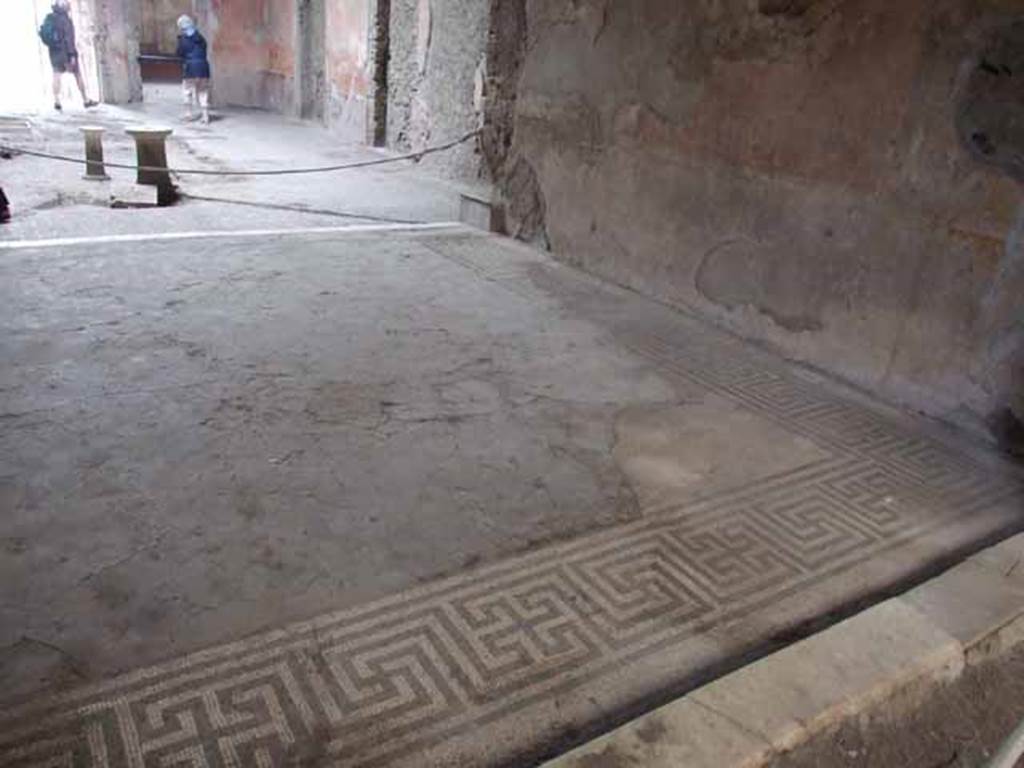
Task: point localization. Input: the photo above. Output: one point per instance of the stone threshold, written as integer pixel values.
(888, 657)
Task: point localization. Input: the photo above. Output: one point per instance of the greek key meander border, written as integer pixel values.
(568, 617)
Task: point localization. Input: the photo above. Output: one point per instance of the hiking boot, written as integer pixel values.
(89, 103)
(57, 106)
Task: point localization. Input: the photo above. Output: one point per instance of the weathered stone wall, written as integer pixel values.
(506, 55)
(110, 33)
(311, 64)
(435, 78)
(379, 61)
(833, 177)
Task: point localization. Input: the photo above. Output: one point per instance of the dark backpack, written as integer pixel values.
(48, 32)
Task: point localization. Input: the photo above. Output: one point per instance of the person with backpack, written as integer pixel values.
(58, 35)
(195, 69)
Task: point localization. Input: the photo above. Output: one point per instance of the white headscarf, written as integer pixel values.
(186, 26)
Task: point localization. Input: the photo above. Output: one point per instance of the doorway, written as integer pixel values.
(23, 58)
(312, 20)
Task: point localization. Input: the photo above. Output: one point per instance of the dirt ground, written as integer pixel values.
(961, 726)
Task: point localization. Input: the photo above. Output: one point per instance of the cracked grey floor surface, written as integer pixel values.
(413, 499)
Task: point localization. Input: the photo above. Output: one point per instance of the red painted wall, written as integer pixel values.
(255, 58)
(253, 52)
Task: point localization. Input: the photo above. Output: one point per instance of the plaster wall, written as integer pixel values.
(256, 54)
(109, 32)
(802, 172)
(252, 51)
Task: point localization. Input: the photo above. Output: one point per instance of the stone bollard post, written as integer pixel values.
(151, 151)
(94, 167)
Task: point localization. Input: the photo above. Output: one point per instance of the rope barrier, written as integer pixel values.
(416, 156)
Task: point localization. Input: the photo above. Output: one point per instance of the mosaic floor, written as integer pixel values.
(495, 665)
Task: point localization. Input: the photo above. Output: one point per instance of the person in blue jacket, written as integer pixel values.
(195, 69)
